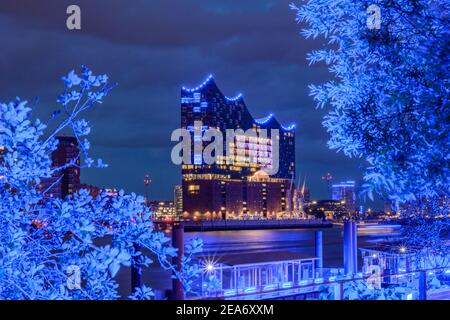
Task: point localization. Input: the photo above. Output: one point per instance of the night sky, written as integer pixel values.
(151, 48)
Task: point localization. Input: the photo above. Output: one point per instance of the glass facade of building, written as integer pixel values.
(345, 191)
(234, 186)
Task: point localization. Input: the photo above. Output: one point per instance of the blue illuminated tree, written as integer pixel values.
(48, 244)
(389, 96)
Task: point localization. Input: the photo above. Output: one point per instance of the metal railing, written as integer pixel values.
(340, 287)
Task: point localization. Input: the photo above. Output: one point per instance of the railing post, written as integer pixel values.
(318, 236)
(339, 291)
(422, 285)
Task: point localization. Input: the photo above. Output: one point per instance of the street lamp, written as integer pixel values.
(328, 178)
(147, 182)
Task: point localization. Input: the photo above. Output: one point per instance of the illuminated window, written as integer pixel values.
(193, 189)
(198, 159)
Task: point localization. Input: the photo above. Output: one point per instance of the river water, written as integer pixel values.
(293, 240)
(252, 241)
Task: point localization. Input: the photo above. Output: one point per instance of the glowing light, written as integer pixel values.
(229, 293)
(269, 287)
(318, 280)
(288, 128)
(264, 120)
(239, 96)
(209, 265)
(199, 86)
(402, 249)
(250, 290)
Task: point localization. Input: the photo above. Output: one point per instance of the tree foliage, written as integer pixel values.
(389, 97)
(42, 239)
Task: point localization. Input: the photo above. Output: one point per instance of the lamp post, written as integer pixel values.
(147, 182)
(327, 178)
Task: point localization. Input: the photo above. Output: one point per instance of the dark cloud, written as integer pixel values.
(153, 47)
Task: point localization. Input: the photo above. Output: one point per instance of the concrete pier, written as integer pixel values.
(350, 247)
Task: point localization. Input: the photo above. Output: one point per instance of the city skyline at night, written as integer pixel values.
(221, 156)
(150, 68)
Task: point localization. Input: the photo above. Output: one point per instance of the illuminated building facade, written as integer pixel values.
(178, 200)
(236, 185)
(329, 209)
(162, 209)
(345, 191)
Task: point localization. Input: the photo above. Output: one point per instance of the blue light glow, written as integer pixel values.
(264, 120)
(269, 287)
(288, 128)
(318, 280)
(250, 290)
(286, 285)
(199, 86)
(198, 159)
(229, 293)
(303, 282)
(239, 96)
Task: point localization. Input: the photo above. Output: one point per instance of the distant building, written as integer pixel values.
(388, 207)
(306, 195)
(163, 209)
(241, 189)
(110, 192)
(329, 209)
(66, 181)
(178, 200)
(93, 190)
(345, 191)
(438, 205)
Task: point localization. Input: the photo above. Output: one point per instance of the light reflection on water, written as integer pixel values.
(249, 241)
(379, 230)
(293, 240)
